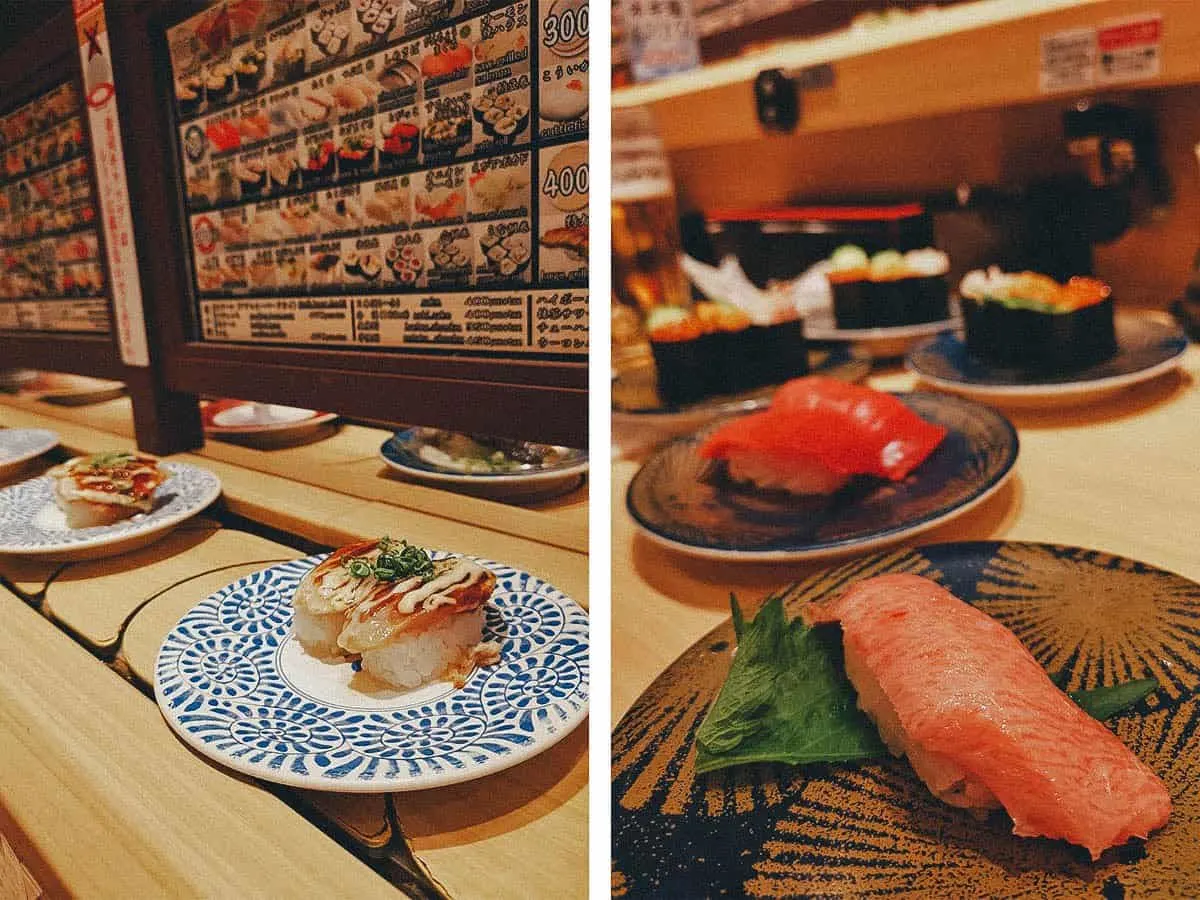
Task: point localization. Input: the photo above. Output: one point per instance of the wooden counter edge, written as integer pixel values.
(545, 526)
(130, 809)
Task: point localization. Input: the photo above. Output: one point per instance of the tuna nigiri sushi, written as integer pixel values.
(981, 722)
(818, 433)
(412, 619)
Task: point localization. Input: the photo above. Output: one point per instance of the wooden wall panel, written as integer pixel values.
(1147, 266)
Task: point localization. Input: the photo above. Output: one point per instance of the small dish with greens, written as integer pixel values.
(455, 458)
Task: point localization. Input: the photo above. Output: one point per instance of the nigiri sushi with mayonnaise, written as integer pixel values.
(104, 488)
(981, 722)
(820, 432)
(411, 618)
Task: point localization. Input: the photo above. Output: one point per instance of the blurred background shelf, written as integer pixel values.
(973, 56)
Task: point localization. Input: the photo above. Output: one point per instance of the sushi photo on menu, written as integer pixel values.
(903, 417)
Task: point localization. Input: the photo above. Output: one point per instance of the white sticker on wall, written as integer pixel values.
(1112, 52)
(1129, 49)
(1068, 60)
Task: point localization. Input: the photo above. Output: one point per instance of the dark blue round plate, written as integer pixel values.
(675, 505)
(1147, 348)
(402, 451)
(873, 829)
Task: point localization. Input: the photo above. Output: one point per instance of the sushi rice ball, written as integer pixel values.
(411, 619)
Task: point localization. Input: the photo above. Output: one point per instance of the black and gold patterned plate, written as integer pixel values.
(873, 829)
(674, 502)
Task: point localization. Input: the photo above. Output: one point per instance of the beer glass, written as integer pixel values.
(645, 230)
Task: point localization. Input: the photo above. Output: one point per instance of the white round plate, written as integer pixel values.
(19, 445)
(31, 523)
(235, 685)
(1148, 347)
(880, 343)
(74, 390)
(261, 418)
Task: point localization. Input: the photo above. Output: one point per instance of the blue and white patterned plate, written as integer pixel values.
(674, 503)
(235, 685)
(31, 524)
(19, 445)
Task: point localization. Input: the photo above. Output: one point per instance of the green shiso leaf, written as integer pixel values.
(787, 699)
(1105, 702)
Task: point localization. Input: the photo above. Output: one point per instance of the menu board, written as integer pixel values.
(406, 174)
(51, 276)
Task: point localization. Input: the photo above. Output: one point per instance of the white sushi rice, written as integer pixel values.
(409, 661)
(797, 476)
(318, 634)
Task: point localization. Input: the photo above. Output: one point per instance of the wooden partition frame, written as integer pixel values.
(528, 399)
(165, 421)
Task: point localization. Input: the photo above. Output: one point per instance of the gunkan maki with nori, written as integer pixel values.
(888, 289)
(714, 348)
(1030, 321)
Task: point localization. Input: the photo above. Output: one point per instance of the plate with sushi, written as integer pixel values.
(828, 468)
(1029, 338)
(100, 505)
(882, 303)
(380, 667)
(450, 458)
(75, 390)
(19, 446)
(1018, 718)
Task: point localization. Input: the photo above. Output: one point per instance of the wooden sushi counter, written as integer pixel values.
(99, 798)
(1119, 475)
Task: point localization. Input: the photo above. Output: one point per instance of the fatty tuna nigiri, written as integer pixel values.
(818, 433)
(980, 721)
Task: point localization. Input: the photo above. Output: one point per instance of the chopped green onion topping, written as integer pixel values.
(396, 561)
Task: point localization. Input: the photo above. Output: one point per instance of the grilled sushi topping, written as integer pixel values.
(120, 479)
(388, 586)
(457, 586)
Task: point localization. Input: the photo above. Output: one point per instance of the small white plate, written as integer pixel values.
(880, 343)
(19, 445)
(74, 390)
(234, 684)
(31, 523)
(225, 417)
